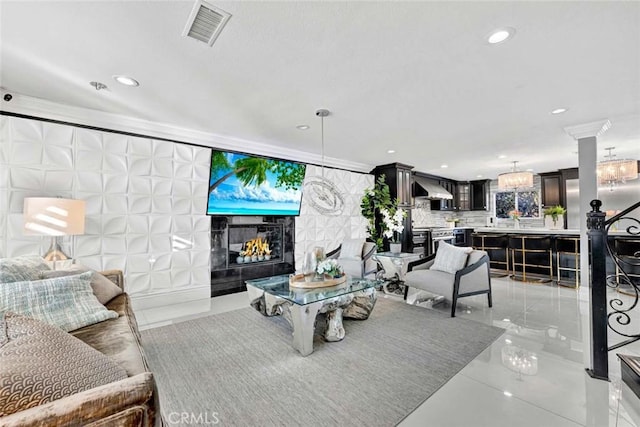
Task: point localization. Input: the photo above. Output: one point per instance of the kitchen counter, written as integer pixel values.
(512, 230)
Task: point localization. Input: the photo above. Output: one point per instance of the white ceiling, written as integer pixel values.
(417, 77)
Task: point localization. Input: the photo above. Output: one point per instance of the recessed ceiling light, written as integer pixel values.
(126, 80)
(507, 393)
(529, 170)
(302, 127)
(502, 156)
(391, 151)
(478, 176)
(444, 166)
(500, 35)
(559, 111)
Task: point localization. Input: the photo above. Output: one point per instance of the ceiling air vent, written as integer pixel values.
(206, 22)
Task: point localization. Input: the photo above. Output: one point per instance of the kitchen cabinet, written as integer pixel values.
(398, 177)
(551, 186)
(446, 204)
(463, 196)
(479, 195)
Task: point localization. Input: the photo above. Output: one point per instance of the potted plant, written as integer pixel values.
(374, 200)
(515, 216)
(329, 268)
(393, 220)
(555, 212)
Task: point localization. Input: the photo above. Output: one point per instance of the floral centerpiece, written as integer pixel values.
(515, 215)
(393, 219)
(330, 267)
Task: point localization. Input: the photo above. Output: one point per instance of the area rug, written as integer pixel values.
(239, 369)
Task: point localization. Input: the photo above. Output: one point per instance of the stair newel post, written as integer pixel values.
(598, 290)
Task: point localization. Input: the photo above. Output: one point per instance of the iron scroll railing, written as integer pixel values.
(614, 314)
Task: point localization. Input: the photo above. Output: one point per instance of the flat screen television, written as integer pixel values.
(241, 184)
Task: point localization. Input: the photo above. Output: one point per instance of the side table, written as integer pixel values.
(394, 267)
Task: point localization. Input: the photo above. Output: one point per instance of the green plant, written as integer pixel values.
(554, 212)
(374, 200)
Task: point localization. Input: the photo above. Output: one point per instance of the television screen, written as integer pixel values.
(241, 184)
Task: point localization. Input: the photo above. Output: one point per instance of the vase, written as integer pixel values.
(395, 248)
(550, 224)
(516, 224)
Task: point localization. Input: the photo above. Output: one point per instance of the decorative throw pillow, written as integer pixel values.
(41, 363)
(66, 302)
(104, 289)
(351, 249)
(21, 268)
(450, 258)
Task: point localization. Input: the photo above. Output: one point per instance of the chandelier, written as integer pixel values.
(323, 195)
(613, 171)
(515, 179)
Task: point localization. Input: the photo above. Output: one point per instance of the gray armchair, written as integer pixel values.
(473, 279)
(360, 264)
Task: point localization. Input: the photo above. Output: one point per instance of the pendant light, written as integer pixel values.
(322, 194)
(611, 171)
(515, 179)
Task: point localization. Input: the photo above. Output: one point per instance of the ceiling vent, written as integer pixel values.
(206, 22)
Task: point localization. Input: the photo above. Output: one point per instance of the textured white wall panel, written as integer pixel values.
(315, 229)
(145, 200)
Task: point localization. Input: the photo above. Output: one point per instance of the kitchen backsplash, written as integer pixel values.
(423, 216)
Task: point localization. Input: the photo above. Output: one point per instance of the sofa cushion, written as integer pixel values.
(66, 302)
(104, 289)
(21, 268)
(351, 249)
(450, 258)
(40, 363)
(117, 338)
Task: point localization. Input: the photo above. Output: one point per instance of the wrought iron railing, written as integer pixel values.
(613, 315)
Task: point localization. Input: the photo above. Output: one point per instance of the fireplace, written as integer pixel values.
(256, 247)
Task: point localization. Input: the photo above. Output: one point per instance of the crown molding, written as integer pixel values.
(50, 110)
(586, 130)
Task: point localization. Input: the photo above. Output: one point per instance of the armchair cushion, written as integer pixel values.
(351, 249)
(450, 258)
(21, 268)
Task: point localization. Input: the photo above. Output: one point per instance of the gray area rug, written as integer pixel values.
(238, 368)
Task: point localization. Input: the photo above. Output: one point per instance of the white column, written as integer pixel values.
(586, 135)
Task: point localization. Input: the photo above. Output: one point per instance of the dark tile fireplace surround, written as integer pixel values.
(230, 235)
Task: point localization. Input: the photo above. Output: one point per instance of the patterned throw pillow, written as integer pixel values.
(21, 268)
(66, 302)
(41, 363)
(450, 258)
(104, 289)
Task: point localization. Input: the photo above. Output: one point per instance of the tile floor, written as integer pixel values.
(546, 337)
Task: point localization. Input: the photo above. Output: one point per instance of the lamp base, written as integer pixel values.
(55, 253)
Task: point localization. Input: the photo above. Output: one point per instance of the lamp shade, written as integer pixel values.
(514, 180)
(49, 216)
(615, 171)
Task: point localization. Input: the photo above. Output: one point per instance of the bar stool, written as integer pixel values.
(532, 253)
(496, 245)
(568, 248)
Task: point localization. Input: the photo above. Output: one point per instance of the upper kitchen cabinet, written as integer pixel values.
(463, 196)
(479, 192)
(446, 204)
(552, 189)
(398, 177)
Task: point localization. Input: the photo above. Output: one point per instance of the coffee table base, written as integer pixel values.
(357, 305)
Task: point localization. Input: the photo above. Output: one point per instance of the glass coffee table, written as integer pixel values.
(353, 299)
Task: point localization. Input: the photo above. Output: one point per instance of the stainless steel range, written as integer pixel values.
(441, 235)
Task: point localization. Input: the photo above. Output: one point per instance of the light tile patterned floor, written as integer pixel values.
(546, 328)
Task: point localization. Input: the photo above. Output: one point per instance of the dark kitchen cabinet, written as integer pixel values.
(463, 196)
(446, 204)
(479, 192)
(398, 177)
(551, 186)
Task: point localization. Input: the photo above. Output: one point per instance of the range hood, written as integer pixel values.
(423, 187)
